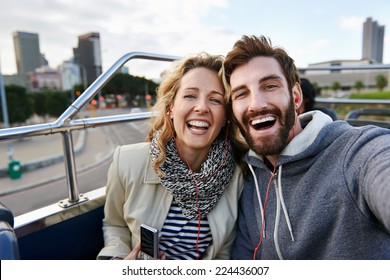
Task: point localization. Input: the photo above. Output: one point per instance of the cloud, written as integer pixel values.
(168, 27)
(320, 44)
(353, 23)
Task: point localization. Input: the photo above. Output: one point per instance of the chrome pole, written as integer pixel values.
(70, 167)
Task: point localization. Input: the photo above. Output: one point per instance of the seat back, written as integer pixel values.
(9, 249)
(354, 117)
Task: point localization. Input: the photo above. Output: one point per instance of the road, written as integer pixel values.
(42, 195)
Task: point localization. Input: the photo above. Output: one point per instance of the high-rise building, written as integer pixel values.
(88, 56)
(373, 35)
(28, 55)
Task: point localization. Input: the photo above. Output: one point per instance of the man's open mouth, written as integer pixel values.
(263, 123)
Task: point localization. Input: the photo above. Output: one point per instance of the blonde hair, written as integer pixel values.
(166, 94)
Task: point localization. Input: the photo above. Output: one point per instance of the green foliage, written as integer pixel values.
(336, 86)
(52, 103)
(19, 105)
(39, 100)
(381, 82)
(129, 85)
(371, 95)
(358, 85)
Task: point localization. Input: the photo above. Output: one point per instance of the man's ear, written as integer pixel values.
(297, 95)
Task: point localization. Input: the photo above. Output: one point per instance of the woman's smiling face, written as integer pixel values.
(199, 110)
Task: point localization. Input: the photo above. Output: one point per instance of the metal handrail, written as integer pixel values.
(346, 67)
(351, 101)
(65, 124)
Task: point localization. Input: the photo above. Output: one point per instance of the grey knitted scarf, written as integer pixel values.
(214, 176)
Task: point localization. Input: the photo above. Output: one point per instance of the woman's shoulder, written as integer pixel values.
(236, 183)
(132, 157)
(133, 150)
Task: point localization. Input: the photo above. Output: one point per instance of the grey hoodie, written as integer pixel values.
(328, 199)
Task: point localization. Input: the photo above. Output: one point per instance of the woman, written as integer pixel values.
(184, 181)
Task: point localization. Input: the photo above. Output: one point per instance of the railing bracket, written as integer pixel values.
(65, 203)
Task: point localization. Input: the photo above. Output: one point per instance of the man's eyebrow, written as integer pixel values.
(234, 90)
(264, 79)
(270, 77)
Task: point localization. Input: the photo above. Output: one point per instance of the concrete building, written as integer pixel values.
(373, 35)
(88, 56)
(70, 75)
(27, 52)
(346, 78)
(44, 78)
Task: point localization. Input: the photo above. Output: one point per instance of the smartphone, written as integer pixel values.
(149, 241)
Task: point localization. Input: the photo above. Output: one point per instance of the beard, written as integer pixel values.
(271, 145)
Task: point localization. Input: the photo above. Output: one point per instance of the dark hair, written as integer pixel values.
(309, 94)
(251, 46)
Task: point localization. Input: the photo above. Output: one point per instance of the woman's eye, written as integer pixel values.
(216, 101)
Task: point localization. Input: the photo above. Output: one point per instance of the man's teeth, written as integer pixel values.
(263, 120)
(198, 123)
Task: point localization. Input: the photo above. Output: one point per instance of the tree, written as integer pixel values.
(358, 85)
(56, 102)
(19, 104)
(39, 99)
(381, 82)
(336, 86)
(126, 84)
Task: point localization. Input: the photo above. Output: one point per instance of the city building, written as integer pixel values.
(27, 52)
(346, 78)
(70, 75)
(88, 56)
(44, 78)
(373, 35)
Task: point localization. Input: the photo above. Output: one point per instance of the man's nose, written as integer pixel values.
(257, 101)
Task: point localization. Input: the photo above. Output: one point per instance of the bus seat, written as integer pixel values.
(9, 249)
(354, 117)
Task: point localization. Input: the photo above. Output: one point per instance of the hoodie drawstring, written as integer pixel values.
(284, 204)
(258, 198)
(279, 201)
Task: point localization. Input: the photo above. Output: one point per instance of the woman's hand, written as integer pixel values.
(137, 249)
(134, 254)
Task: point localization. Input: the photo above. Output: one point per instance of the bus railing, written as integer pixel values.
(65, 124)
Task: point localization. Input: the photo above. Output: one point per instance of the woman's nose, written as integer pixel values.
(201, 106)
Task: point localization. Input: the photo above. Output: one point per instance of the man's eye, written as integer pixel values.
(270, 86)
(239, 95)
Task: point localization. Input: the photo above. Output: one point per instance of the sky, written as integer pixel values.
(310, 31)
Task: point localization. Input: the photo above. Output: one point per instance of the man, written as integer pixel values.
(319, 189)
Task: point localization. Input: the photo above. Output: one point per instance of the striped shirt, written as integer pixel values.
(178, 236)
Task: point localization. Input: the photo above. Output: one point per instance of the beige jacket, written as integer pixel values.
(135, 196)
